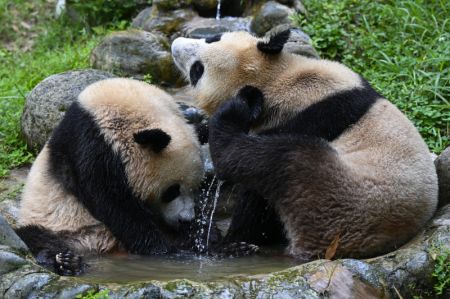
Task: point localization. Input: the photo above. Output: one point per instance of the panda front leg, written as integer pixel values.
(259, 162)
(51, 251)
(270, 164)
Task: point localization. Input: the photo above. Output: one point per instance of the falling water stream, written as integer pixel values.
(199, 238)
(218, 10)
(216, 196)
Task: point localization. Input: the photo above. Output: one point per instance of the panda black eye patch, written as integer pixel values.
(171, 193)
(196, 72)
(212, 39)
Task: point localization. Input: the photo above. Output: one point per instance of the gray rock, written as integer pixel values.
(166, 22)
(298, 43)
(27, 286)
(8, 236)
(299, 7)
(270, 15)
(9, 261)
(10, 191)
(64, 290)
(136, 53)
(207, 27)
(47, 102)
(443, 171)
(206, 5)
(139, 20)
(171, 4)
(296, 4)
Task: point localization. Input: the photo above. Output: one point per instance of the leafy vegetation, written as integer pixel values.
(33, 46)
(98, 12)
(401, 47)
(91, 294)
(441, 271)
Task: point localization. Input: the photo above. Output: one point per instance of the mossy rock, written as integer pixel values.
(137, 53)
(166, 22)
(407, 271)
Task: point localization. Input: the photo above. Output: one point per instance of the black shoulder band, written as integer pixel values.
(330, 117)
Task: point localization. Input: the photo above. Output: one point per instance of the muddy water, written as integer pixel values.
(136, 268)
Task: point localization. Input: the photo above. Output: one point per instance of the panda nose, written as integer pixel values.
(186, 215)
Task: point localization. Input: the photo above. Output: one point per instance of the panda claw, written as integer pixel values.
(69, 264)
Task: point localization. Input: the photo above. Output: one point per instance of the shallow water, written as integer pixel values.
(137, 268)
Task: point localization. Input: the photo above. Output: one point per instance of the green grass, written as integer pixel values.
(401, 47)
(93, 294)
(441, 272)
(49, 46)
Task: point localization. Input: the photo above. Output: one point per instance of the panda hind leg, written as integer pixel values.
(51, 251)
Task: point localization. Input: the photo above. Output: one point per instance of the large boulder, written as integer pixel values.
(443, 171)
(207, 27)
(10, 192)
(8, 237)
(46, 104)
(136, 53)
(168, 23)
(171, 4)
(270, 15)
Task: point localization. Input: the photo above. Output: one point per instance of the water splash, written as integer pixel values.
(199, 238)
(216, 197)
(218, 10)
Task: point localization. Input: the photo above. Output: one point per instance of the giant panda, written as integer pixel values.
(118, 173)
(319, 156)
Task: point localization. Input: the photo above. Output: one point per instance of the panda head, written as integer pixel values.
(218, 67)
(159, 151)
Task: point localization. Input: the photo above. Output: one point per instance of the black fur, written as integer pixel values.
(213, 39)
(196, 72)
(275, 44)
(254, 99)
(50, 250)
(254, 220)
(155, 139)
(330, 117)
(202, 131)
(87, 166)
(171, 193)
(261, 162)
(246, 159)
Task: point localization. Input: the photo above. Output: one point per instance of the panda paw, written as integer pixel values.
(233, 111)
(69, 264)
(238, 249)
(253, 97)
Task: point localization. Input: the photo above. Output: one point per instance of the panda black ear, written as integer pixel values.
(155, 139)
(275, 44)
